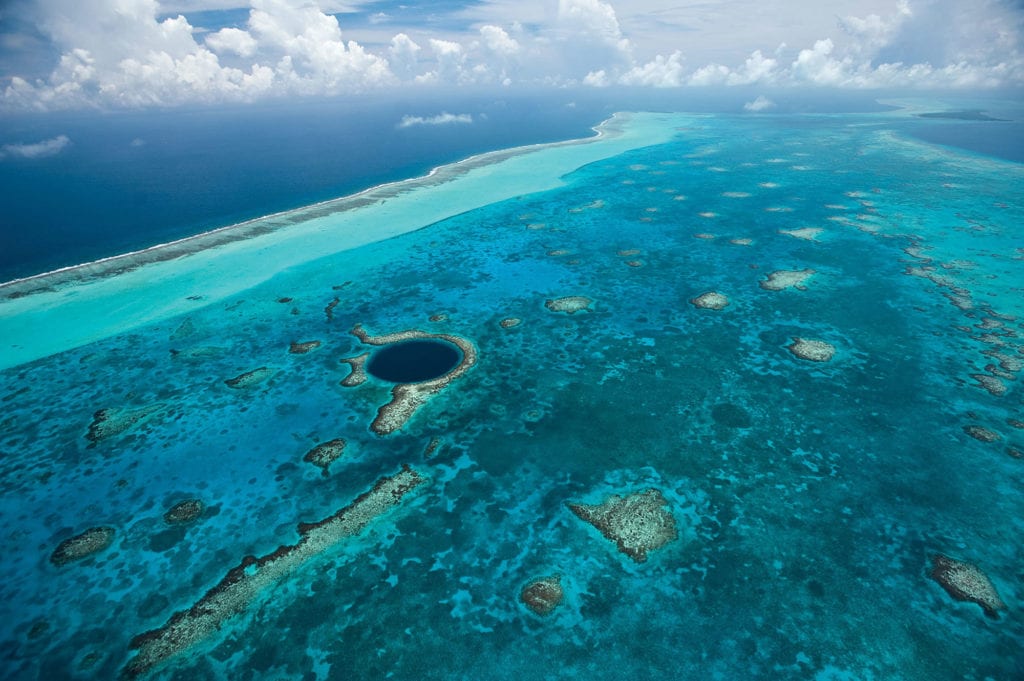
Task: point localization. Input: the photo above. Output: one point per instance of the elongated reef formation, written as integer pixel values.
(243, 584)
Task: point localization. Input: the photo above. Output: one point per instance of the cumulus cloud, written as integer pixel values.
(232, 40)
(597, 78)
(987, 53)
(660, 72)
(450, 59)
(756, 69)
(443, 118)
(497, 40)
(117, 53)
(874, 31)
(590, 39)
(761, 103)
(50, 147)
(403, 55)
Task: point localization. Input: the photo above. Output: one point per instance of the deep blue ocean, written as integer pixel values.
(130, 180)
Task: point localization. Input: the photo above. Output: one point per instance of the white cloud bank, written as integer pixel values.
(444, 118)
(761, 103)
(50, 147)
(120, 53)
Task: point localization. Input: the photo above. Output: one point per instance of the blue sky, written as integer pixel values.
(67, 54)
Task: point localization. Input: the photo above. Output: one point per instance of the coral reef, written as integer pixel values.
(184, 512)
(805, 233)
(244, 583)
(990, 383)
(569, 304)
(93, 540)
(249, 378)
(302, 348)
(966, 582)
(712, 300)
(812, 350)
(510, 322)
(783, 279)
(358, 374)
(431, 449)
(329, 310)
(325, 453)
(982, 433)
(637, 523)
(543, 595)
(406, 398)
(107, 423)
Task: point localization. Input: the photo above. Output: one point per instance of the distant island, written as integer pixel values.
(974, 115)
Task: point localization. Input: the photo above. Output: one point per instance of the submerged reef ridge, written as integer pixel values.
(244, 583)
(812, 350)
(712, 300)
(326, 453)
(107, 423)
(569, 304)
(967, 582)
(638, 523)
(543, 595)
(782, 279)
(83, 545)
(249, 379)
(184, 512)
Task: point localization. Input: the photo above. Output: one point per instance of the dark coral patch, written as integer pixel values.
(966, 582)
(730, 415)
(982, 433)
(325, 453)
(303, 347)
(184, 512)
(329, 310)
(83, 545)
(249, 378)
(543, 595)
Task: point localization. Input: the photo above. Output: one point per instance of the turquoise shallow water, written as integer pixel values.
(808, 497)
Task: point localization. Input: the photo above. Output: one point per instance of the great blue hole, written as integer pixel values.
(414, 360)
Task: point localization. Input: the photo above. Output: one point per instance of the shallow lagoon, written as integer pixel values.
(808, 497)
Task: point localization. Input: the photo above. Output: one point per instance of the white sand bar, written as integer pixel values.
(58, 311)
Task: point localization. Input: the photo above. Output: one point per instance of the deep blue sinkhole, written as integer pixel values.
(414, 361)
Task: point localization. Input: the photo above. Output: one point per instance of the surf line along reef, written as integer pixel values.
(406, 398)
